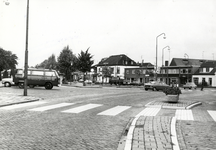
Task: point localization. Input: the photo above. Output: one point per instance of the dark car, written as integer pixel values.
(155, 86)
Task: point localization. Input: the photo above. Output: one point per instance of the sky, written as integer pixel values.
(110, 27)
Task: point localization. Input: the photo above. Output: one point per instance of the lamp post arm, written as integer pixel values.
(157, 50)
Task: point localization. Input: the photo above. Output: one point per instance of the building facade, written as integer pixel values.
(116, 64)
(143, 74)
(206, 72)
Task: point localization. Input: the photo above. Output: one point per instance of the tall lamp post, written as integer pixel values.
(163, 54)
(157, 50)
(26, 52)
(26, 49)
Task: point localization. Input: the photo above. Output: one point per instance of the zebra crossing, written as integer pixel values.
(180, 114)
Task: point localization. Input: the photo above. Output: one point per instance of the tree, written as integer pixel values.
(8, 60)
(49, 63)
(67, 62)
(85, 62)
(106, 72)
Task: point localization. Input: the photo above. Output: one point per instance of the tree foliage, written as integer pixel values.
(106, 71)
(8, 60)
(85, 61)
(49, 63)
(67, 62)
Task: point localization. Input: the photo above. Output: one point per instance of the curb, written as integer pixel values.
(193, 105)
(19, 102)
(173, 107)
(174, 135)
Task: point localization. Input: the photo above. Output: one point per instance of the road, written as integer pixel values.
(71, 118)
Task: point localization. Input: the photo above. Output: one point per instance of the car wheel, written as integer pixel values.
(189, 87)
(184, 88)
(31, 86)
(7, 84)
(146, 89)
(48, 86)
(21, 85)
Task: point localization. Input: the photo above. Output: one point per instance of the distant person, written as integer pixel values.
(202, 85)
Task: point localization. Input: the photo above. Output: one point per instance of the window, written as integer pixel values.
(38, 73)
(127, 71)
(49, 73)
(118, 70)
(144, 71)
(207, 69)
(196, 80)
(133, 71)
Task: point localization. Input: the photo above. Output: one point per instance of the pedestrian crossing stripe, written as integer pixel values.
(82, 108)
(114, 111)
(11, 107)
(149, 112)
(212, 114)
(182, 114)
(45, 108)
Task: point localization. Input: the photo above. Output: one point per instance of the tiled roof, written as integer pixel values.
(186, 62)
(117, 60)
(207, 64)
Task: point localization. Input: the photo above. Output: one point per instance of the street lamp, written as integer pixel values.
(26, 49)
(157, 49)
(163, 54)
(26, 52)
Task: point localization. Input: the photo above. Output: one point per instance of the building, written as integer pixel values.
(116, 64)
(207, 72)
(180, 70)
(143, 74)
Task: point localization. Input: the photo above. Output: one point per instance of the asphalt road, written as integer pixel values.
(65, 128)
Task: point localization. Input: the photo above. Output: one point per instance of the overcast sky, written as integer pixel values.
(110, 27)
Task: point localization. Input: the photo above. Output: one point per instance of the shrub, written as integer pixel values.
(172, 91)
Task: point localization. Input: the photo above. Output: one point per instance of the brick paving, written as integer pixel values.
(150, 132)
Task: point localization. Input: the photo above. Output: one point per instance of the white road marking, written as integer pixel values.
(212, 114)
(44, 108)
(149, 112)
(184, 114)
(81, 108)
(11, 107)
(114, 111)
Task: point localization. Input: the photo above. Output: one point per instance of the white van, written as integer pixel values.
(37, 77)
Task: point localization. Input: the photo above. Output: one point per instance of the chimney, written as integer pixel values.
(166, 63)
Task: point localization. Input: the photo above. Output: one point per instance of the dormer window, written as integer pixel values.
(207, 69)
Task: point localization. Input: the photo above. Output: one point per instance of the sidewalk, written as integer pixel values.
(155, 132)
(11, 99)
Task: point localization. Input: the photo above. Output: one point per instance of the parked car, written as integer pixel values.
(190, 85)
(155, 85)
(8, 82)
(37, 77)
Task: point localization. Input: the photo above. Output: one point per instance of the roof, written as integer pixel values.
(146, 65)
(120, 60)
(207, 64)
(187, 62)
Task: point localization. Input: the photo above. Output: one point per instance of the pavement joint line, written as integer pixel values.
(173, 134)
